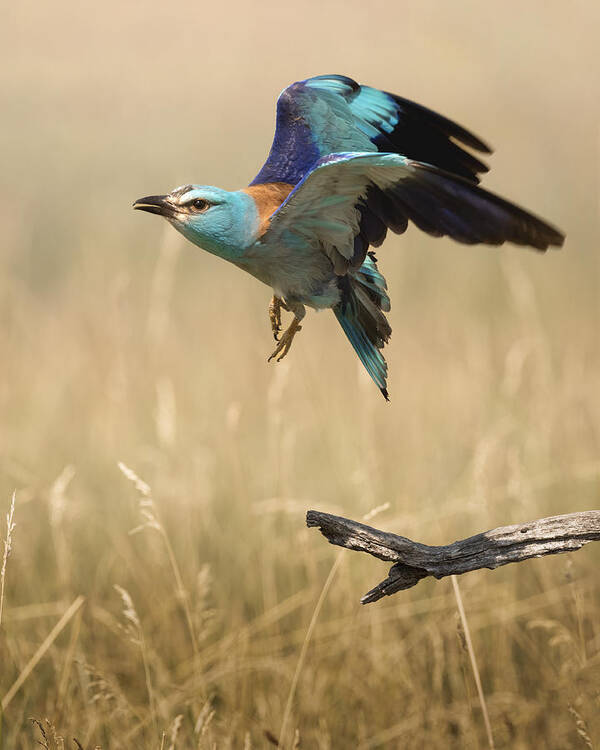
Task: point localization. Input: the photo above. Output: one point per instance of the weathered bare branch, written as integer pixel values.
(491, 549)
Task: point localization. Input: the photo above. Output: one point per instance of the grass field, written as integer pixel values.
(122, 343)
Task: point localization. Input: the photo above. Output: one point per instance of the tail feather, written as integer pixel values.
(360, 313)
(369, 277)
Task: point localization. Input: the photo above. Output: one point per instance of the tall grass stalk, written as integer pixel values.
(313, 621)
(134, 631)
(46, 644)
(305, 644)
(151, 521)
(471, 650)
(10, 527)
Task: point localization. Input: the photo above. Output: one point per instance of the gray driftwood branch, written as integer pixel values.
(491, 549)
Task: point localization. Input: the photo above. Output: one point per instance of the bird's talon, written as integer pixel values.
(275, 315)
(285, 342)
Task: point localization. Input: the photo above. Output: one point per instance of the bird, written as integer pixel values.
(348, 162)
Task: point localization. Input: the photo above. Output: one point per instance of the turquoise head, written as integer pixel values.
(223, 223)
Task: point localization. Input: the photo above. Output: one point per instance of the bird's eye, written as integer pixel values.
(200, 204)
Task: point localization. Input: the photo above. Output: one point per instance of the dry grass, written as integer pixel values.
(7, 549)
(122, 344)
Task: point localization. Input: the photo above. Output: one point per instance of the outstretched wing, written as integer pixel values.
(328, 207)
(333, 114)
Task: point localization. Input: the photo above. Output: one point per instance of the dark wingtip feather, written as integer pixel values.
(472, 214)
(426, 136)
(385, 394)
(445, 124)
(556, 238)
(470, 139)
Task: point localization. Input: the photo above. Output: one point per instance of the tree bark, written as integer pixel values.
(490, 549)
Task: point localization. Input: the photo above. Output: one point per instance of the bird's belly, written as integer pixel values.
(309, 280)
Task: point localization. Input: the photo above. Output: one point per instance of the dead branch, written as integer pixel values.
(491, 549)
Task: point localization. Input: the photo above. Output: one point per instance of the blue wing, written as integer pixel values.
(326, 213)
(328, 208)
(333, 114)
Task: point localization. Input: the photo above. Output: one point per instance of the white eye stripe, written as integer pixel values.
(189, 197)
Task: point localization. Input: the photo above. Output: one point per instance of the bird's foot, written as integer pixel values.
(285, 342)
(275, 306)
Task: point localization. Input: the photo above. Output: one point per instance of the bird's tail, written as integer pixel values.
(361, 314)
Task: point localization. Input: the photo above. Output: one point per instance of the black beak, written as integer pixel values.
(155, 204)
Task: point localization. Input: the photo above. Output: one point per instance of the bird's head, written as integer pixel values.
(222, 222)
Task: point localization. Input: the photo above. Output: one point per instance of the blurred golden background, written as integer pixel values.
(121, 342)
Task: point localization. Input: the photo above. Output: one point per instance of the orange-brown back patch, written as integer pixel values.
(268, 197)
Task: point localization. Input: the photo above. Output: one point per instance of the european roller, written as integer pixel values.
(347, 163)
